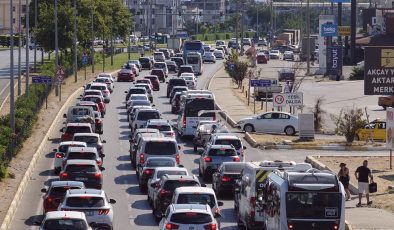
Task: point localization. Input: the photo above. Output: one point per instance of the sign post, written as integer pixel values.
(284, 99)
(85, 60)
(42, 80)
(390, 132)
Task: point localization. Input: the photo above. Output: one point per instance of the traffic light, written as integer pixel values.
(179, 13)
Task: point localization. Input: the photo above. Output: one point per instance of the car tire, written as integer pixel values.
(290, 131)
(249, 128)
(384, 107)
(195, 148)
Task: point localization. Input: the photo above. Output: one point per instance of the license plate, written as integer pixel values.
(191, 228)
(81, 179)
(89, 213)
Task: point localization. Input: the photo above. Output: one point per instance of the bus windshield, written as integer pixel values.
(313, 205)
(192, 60)
(195, 46)
(193, 106)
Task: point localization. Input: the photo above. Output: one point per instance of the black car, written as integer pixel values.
(145, 63)
(176, 89)
(85, 171)
(172, 67)
(178, 60)
(165, 189)
(185, 69)
(224, 179)
(175, 82)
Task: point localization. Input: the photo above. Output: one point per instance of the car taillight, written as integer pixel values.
(97, 175)
(237, 159)
(103, 211)
(208, 159)
(58, 155)
(336, 225)
(252, 202)
(184, 121)
(49, 199)
(226, 179)
(290, 225)
(210, 227)
(164, 192)
(148, 171)
(142, 158)
(171, 226)
(99, 163)
(177, 158)
(63, 175)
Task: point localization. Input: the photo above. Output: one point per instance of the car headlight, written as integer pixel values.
(240, 122)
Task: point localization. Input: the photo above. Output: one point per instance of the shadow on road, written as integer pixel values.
(123, 158)
(141, 204)
(124, 167)
(125, 179)
(145, 220)
(36, 218)
(134, 190)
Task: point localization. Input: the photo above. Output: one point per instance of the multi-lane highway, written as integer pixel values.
(120, 182)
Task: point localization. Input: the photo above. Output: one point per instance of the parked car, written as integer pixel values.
(375, 130)
(270, 122)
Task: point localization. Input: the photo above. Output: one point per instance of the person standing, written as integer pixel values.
(344, 178)
(363, 174)
(287, 87)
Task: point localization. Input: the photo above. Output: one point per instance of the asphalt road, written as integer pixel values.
(120, 182)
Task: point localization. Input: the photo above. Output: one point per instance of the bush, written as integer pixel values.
(357, 74)
(318, 113)
(349, 121)
(228, 36)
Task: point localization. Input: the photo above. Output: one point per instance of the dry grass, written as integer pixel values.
(383, 176)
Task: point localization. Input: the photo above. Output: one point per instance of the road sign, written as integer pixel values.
(260, 83)
(85, 59)
(329, 30)
(379, 70)
(41, 79)
(291, 99)
(344, 30)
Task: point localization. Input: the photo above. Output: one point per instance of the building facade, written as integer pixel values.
(5, 24)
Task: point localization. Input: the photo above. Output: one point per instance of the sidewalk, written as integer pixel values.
(358, 218)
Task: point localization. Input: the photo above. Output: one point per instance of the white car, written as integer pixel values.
(208, 57)
(142, 116)
(65, 220)
(93, 202)
(61, 151)
(270, 122)
(188, 216)
(274, 54)
(108, 81)
(218, 54)
(148, 88)
(103, 88)
(288, 55)
(162, 125)
(106, 75)
(153, 182)
(191, 81)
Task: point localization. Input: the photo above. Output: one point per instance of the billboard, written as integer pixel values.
(379, 70)
(334, 60)
(329, 30)
(323, 19)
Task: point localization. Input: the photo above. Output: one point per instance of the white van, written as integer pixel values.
(157, 147)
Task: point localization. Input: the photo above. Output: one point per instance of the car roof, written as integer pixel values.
(82, 162)
(183, 177)
(147, 130)
(78, 124)
(61, 183)
(77, 192)
(158, 121)
(196, 190)
(161, 158)
(160, 139)
(82, 149)
(98, 84)
(133, 87)
(62, 214)
(150, 76)
(201, 208)
(226, 136)
(72, 143)
(221, 147)
(85, 103)
(87, 134)
(147, 110)
(171, 169)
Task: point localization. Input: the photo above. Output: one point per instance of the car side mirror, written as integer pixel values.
(217, 215)
(112, 201)
(104, 141)
(203, 185)
(102, 155)
(181, 166)
(125, 91)
(179, 147)
(220, 203)
(54, 150)
(244, 147)
(102, 168)
(43, 190)
(37, 223)
(64, 116)
(61, 130)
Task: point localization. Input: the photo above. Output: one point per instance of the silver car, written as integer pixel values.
(213, 156)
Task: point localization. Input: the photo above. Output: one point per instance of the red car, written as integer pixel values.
(126, 75)
(159, 73)
(261, 59)
(99, 100)
(71, 128)
(155, 82)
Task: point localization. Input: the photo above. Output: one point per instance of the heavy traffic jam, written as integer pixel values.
(266, 194)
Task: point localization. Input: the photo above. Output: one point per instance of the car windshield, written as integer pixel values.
(171, 185)
(193, 106)
(80, 168)
(85, 202)
(193, 60)
(313, 205)
(160, 163)
(233, 168)
(144, 116)
(234, 142)
(78, 129)
(186, 69)
(94, 107)
(170, 172)
(65, 224)
(138, 97)
(140, 102)
(87, 139)
(197, 198)
(222, 152)
(81, 155)
(93, 93)
(60, 191)
(160, 148)
(161, 128)
(144, 60)
(191, 218)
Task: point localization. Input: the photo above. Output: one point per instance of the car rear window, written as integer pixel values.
(160, 148)
(78, 129)
(157, 72)
(85, 201)
(186, 69)
(87, 139)
(80, 168)
(160, 65)
(222, 152)
(80, 111)
(138, 97)
(144, 116)
(144, 60)
(98, 87)
(233, 168)
(92, 93)
(171, 185)
(81, 155)
(161, 128)
(236, 143)
(137, 91)
(196, 198)
(65, 223)
(170, 172)
(191, 218)
(60, 191)
(160, 163)
(152, 78)
(177, 82)
(92, 99)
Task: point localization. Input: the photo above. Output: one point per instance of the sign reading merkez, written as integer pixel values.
(334, 60)
(379, 70)
(329, 30)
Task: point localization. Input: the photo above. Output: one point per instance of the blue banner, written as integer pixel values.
(329, 30)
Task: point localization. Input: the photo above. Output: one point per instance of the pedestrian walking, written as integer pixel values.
(363, 174)
(344, 178)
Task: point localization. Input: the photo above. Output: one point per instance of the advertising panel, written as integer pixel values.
(323, 19)
(334, 60)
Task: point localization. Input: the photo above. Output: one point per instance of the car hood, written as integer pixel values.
(246, 119)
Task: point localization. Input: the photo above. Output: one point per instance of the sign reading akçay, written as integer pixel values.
(379, 70)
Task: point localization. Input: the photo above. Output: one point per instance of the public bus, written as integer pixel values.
(192, 46)
(194, 59)
(189, 112)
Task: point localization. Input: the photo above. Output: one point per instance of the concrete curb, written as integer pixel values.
(22, 186)
(327, 147)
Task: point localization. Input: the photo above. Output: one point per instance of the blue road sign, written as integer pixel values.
(41, 79)
(329, 30)
(260, 83)
(85, 59)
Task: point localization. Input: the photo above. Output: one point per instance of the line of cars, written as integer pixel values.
(76, 200)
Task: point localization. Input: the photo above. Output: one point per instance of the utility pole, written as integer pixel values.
(308, 48)
(12, 93)
(112, 42)
(150, 24)
(27, 71)
(57, 54)
(242, 28)
(75, 43)
(353, 8)
(35, 34)
(92, 28)
(19, 48)
(272, 22)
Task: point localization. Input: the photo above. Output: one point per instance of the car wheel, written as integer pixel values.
(290, 131)
(248, 128)
(195, 148)
(384, 107)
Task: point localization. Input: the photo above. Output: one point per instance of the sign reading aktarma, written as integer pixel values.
(379, 70)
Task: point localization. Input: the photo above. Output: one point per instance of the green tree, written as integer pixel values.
(235, 68)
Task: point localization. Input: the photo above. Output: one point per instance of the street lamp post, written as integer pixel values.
(308, 41)
(12, 93)
(27, 71)
(19, 48)
(35, 34)
(75, 43)
(57, 54)
(92, 28)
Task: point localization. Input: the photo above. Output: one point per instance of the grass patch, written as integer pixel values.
(4, 48)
